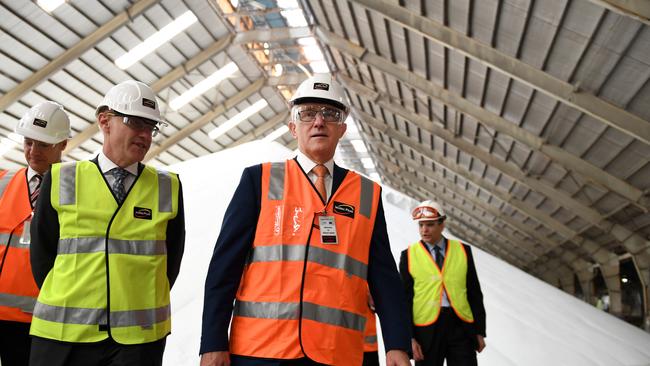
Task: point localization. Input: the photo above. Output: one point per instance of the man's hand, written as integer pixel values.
(417, 350)
(215, 359)
(397, 358)
(481, 343)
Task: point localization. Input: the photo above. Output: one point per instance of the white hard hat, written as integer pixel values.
(132, 98)
(320, 88)
(46, 122)
(428, 211)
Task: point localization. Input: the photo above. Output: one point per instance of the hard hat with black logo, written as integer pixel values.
(321, 88)
(46, 122)
(132, 98)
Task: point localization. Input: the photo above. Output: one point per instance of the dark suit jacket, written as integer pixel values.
(45, 234)
(474, 296)
(236, 239)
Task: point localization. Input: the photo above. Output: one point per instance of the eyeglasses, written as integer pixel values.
(138, 123)
(33, 144)
(426, 212)
(308, 114)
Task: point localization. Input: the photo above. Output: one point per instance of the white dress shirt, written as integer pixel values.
(31, 173)
(307, 165)
(106, 165)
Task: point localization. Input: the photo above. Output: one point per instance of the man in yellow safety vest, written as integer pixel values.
(108, 241)
(444, 294)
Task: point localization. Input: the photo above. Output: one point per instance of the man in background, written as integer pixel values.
(45, 129)
(443, 293)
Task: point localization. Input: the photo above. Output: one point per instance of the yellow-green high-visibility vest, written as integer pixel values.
(110, 274)
(429, 281)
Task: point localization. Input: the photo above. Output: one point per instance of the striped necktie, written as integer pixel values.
(36, 189)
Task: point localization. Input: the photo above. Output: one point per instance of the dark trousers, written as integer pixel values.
(448, 338)
(371, 358)
(14, 343)
(46, 352)
(254, 361)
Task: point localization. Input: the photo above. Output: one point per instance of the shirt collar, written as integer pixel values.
(31, 173)
(442, 243)
(307, 164)
(106, 165)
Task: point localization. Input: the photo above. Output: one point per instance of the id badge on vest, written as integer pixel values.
(327, 226)
(26, 237)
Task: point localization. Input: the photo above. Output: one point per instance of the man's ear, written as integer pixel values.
(103, 120)
(292, 128)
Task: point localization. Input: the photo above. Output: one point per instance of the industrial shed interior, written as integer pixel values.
(528, 120)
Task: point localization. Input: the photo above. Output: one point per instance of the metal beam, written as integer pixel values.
(205, 119)
(192, 63)
(272, 35)
(564, 92)
(444, 198)
(293, 145)
(486, 207)
(259, 131)
(633, 242)
(557, 154)
(486, 240)
(287, 79)
(74, 52)
(158, 86)
(635, 9)
(599, 254)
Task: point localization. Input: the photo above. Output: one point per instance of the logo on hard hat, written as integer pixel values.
(40, 122)
(321, 86)
(149, 103)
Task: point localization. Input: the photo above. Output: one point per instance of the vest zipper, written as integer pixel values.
(108, 229)
(302, 286)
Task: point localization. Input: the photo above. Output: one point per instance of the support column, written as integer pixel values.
(642, 262)
(567, 281)
(586, 278)
(611, 274)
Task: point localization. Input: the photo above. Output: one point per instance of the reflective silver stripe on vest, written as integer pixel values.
(370, 339)
(272, 253)
(276, 184)
(311, 311)
(4, 181)
(67, 189)
(143, 318)
(70, 315)
(333, 316)
(164, 191)
(366, 197)
(115, 246)
(15, 241)
(87, 316)
(24, 303)
(267, 310)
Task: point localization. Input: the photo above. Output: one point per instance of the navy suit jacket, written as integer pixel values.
(236, 239)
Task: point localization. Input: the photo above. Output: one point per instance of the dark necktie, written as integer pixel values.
(118, 185)
(321, 172)
(440, 258)
(37, 189)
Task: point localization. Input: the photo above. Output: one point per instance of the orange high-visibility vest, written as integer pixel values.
(18, 291)
(370, 334)
(299, 297)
